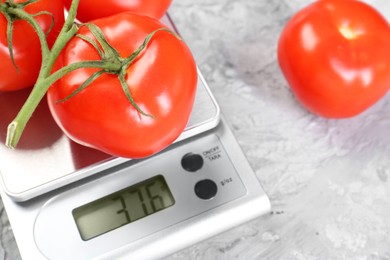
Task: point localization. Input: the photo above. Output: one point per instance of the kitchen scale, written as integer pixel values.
(66, 201)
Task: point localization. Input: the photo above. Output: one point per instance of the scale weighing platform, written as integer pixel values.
(66, 201)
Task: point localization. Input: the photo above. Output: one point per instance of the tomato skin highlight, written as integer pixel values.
(162, 81)
(335, 57)
(26, 45)
(93, 9)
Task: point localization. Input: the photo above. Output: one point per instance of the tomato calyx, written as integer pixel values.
(111, 62)
(10, 4)
(14, 11)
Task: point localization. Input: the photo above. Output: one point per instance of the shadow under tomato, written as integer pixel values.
(41, 131)
(83, 156)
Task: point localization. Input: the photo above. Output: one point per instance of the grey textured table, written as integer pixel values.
(328, 180)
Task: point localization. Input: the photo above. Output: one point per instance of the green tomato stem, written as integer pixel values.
(30, 19)
(78, 65)
(16, 127)
(67, 32)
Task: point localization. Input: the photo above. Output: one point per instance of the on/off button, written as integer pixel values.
(192, 162)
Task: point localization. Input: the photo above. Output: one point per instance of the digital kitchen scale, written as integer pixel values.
(66, 201)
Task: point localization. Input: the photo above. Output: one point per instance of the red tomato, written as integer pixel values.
(92, 9)
(26, 46)
(335, 56)
(162, 81)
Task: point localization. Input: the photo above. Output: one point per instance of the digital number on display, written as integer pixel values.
(123, 207)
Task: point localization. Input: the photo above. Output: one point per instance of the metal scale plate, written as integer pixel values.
(49, 176)
(46, 159)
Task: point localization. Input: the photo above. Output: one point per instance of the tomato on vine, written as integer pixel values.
(22, 71)
(335, 57)
(133, 105)
(124, 84)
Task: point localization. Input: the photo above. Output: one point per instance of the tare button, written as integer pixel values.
(192, 162)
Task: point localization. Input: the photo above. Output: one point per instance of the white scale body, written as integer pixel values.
(211, 184)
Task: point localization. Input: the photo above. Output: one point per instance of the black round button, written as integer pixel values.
(206, 189)
(192, 162)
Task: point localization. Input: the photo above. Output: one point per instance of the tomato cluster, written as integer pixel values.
(133, 110)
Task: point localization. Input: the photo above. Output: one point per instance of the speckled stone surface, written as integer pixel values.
(328, 180)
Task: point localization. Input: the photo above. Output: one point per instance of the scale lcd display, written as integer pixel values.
(123, 207)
